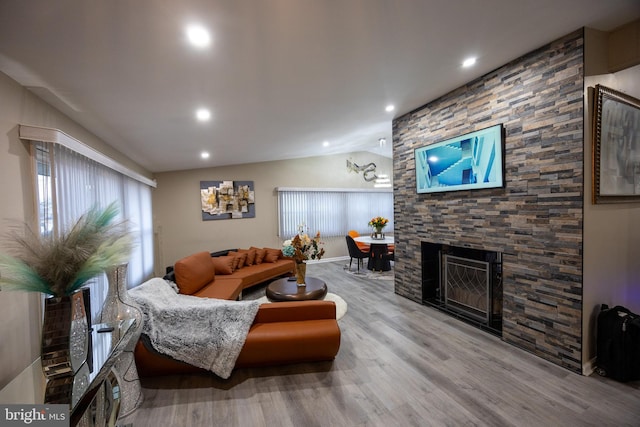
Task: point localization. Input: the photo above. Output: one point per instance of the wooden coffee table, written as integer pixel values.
(288, 290)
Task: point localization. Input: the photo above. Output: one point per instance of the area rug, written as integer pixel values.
(341, 305)
(370, 275)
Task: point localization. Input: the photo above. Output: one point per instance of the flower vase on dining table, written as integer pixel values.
(301, 272)
(378, 233)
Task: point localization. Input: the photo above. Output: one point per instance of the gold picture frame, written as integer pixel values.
(616, 147)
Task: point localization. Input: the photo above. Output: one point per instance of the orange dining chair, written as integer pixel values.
(362, 246)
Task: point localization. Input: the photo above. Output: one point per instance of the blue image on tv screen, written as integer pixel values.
(470, 161)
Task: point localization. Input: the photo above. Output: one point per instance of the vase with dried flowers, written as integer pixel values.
(302, 248)
(58, 265)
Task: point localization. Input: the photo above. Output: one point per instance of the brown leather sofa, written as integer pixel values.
(282, 332)
(234, 271)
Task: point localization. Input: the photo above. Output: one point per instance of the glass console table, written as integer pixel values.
(93, 393)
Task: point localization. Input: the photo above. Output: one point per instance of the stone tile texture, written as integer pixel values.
(536, 220)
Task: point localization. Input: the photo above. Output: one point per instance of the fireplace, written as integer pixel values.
(464, 282)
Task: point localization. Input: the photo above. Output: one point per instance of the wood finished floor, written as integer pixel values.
(400, 364)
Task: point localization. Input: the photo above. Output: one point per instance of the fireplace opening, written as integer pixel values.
(464, 282)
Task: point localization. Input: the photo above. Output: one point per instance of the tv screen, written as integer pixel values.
(467, 162)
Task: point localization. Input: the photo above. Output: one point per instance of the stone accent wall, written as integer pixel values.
(536, 220)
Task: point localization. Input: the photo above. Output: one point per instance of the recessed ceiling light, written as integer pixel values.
(203, 115)
(204, 155)
(469, 62)
(389, 108)
(326, 144)
(198, 35)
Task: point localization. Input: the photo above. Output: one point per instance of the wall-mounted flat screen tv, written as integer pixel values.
(467, 162)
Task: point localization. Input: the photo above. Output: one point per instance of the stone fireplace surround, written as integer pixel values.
(535, 221)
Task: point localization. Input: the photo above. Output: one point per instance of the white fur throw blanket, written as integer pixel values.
(204, 332)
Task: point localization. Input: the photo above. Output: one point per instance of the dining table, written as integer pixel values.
(379, 257)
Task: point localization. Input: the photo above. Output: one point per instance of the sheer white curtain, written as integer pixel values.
(137, 210)
(81, 183)
(333, 212)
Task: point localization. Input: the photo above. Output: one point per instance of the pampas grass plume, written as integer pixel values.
(60, 264)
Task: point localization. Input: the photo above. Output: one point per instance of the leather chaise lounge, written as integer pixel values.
(282, 332)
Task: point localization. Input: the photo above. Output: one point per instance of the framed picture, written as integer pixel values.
(227, 200)
(616, 147)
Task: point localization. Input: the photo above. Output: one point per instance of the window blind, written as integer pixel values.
(332, 212)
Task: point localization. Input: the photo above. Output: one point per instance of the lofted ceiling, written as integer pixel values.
(280, 77)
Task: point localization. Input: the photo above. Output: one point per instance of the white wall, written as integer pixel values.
(180, 230)
(611, 231)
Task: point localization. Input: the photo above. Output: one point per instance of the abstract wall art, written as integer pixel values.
(227, 200)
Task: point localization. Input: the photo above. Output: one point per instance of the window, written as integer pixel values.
(68, 184)
(333, 212)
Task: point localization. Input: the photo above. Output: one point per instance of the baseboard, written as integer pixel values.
(339, 258)
(589, 367)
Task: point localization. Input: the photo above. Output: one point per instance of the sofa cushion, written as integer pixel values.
(260, 253)
(221, 289)
(250, 276)
(290, 342)
(194, 272)
(223, 264)
(272, 255)
(251, 256)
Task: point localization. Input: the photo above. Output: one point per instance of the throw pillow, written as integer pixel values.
(260, 253)
(242, 260)
(193, 272)
(251, 256)
(272, 255)
(238, 259)
(223, 264)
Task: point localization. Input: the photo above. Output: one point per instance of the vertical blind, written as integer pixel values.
(70, 184)
(333, 212)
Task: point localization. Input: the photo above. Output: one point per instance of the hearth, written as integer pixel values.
(464, 282)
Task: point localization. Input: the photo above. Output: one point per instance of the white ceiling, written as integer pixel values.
(280, 77)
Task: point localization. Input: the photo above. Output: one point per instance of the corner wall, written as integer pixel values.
(612, 234)
(536, 220)
(20, 313)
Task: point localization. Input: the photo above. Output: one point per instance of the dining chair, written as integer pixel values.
(355, 252)
(363, 246)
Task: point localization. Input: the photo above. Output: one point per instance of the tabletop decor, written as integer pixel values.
(302, 248)
(59, 264)
(119, 306)
(378, 223)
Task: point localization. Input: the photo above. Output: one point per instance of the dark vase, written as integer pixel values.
(65, 335)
